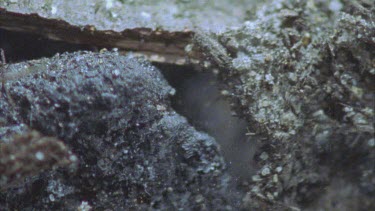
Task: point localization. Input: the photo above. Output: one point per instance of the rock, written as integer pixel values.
(301, 74)
(159, 30)
(265, 171)
(263, 156)
(131, 153)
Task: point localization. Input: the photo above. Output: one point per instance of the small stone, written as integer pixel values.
(270, 196)
(225, 92)
(335, 6)
(160, 108)
(188, 48)
(39, 155)
(85, 206)
(53, 10)
(371, 142)
(116, 72)
(269, 78)
(264, 156)
(275, 194)
(51, 197)
(275, 178)
(265, 171)
(172, 92)
(256, 178)
(255, 189)
(73, 158)
(199, 198)
(279, 169)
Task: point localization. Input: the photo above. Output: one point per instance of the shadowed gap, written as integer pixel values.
(199, 99)
(19, 46)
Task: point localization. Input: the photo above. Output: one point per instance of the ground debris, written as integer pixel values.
(302, 74)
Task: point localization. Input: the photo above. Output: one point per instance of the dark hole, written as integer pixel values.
(198, 98)
(334, 110)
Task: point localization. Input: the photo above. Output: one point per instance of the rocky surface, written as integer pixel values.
(302, 74)
(113, 112)
(118, 15)
(158, 29)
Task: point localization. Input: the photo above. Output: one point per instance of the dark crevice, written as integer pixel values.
(19, 46)
(199, 99)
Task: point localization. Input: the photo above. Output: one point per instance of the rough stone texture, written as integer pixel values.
(302, 74)
(160, 30)
(118, 15)
(134, 151)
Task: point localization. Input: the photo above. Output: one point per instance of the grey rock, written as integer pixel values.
(131, 154)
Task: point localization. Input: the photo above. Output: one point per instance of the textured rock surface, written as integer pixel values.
(134, 151)
(302, 73)
(118, 15)
(158, 29)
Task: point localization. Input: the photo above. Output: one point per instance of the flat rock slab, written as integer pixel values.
(118, 15)
(160, 28)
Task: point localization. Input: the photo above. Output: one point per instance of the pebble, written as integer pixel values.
(264, 156)
(275, 178)
(371, 142)
(265, 171)
(279, 169)
(256, 178)
(270, 196)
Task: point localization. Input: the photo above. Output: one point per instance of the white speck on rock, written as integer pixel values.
(335, 6)
(108, 4)
(264, 156)
(145, 15)
(256, 178)
(172, 92)
(269, 78)
(73, 158)
(53, 10)
(39, 155)
(265, 171)
(116, 72)
(371, 142)
(84, 206)
(279, 169)
(51, 197)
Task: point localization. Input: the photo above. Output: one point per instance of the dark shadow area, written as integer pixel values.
(199, 99)
(20, 46)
